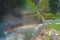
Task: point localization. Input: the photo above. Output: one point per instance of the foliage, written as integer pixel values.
(43, 7)
(39, 17)
(54, 26)
(52, 16)
(25, 6)
(30, 6)
(50, 9)
(43, 4)
(48, 37)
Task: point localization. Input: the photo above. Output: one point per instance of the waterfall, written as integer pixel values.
(27, 33)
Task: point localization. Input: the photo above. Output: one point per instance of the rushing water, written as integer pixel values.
(27, 33)
(22, 33)
(8, 23)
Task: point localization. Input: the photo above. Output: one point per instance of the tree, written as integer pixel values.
(43, 7)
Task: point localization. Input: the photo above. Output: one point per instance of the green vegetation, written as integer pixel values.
(52, 16)
(47, 8)
(54, 26)
(48, 37)
(48, 16)
(59, 33)
(30, 6)
(43, 5)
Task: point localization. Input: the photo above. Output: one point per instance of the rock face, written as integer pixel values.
(29, 18)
